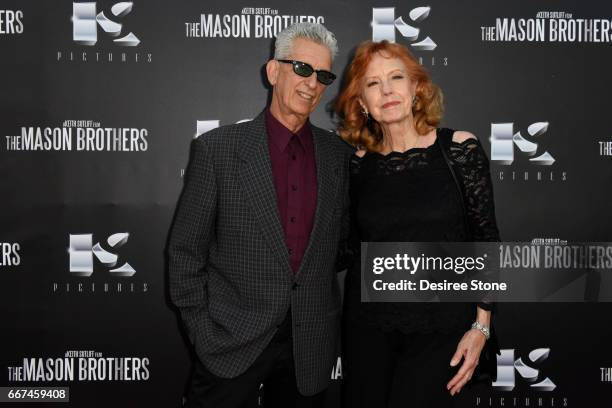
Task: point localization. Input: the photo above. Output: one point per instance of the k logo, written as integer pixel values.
(82, 253)
(85, 23)
(384, 24)
(503, 140)
(506, 366)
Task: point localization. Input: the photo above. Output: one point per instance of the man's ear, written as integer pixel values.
(272, 71)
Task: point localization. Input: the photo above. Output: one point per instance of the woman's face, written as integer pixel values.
(387, 90)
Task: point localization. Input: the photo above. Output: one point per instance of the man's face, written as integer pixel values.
(295, 96)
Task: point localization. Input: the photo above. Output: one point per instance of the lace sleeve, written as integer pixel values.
(472, 168)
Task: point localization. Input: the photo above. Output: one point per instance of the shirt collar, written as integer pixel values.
(280, 136)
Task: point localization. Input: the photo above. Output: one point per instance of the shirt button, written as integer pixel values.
(290, 251)
(292, 219)
(293, 187)
(293, 157)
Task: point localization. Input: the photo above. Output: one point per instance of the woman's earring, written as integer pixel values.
(365, 113)
(415, 99)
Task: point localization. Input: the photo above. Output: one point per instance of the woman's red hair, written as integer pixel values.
(355, 128)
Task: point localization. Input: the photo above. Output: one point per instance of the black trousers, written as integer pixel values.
(392, 369)
(274, 368)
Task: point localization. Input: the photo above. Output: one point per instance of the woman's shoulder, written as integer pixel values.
(449, 136)
(458, 139)
(466, 149)
(461, 136)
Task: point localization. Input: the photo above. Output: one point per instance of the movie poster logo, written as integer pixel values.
(79, 366)
(523, 156)
(10, 254)
(86, 21)
(508, 366)
(251, 22)
(522, 382)
(105, 34)
(11, 22)
(96, 265)
(78, 136)
(549, 27)
(82, 252)
(388, 24)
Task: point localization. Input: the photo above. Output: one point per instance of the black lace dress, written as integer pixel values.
(412, 197)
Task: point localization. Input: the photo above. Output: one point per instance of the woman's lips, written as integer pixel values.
(390, 104)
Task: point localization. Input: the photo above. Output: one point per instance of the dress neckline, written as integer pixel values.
(414, 149)
(404, 153)
(400, 154)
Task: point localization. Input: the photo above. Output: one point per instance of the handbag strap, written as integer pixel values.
(443, 139)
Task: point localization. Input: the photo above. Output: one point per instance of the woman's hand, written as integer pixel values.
(469, 348)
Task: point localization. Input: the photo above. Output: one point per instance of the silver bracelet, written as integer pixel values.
(483, 329)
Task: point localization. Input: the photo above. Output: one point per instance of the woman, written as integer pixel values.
(403, 189)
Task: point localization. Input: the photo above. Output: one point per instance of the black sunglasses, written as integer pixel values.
(305, 70)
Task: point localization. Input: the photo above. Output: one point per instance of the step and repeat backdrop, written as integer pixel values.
(99, 103)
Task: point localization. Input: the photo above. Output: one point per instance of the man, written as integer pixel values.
(253, 247)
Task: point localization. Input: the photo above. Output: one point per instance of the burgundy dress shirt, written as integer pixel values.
(294, 173)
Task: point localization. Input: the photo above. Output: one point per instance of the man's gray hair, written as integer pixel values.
(306, 30)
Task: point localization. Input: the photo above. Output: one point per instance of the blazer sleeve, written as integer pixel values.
(191, 235)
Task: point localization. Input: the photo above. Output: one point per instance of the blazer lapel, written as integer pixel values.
(327, 179)
(255, 175)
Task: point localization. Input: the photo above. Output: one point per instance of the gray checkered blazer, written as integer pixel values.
(229, 269)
